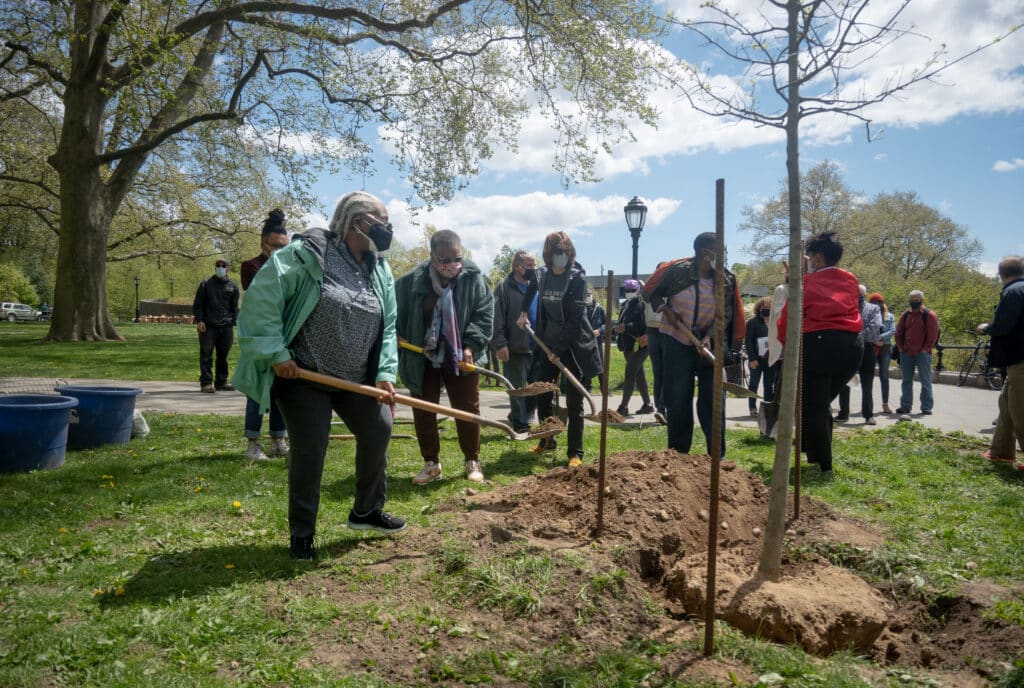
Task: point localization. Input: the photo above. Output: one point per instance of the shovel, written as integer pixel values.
(510, 389)
(613, 416)
(738, 390)
(369, 391)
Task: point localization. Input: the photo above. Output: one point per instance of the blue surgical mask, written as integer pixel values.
(221, 272)
(560, 260)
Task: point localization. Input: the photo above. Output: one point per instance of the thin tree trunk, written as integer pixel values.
(771, 556)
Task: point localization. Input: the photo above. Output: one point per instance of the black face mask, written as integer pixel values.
(381, 235)
(530, 275)
(765, 313)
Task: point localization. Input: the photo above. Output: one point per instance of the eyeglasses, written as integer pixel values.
(448, 261)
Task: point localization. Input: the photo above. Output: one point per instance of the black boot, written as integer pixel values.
(302, 548)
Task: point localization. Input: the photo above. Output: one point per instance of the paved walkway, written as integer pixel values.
(966, 409)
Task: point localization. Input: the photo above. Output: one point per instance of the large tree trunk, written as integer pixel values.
(770, 565)
(80, 294)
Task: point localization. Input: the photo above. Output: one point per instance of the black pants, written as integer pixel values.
(766, 372)
(546, 371)
(635, 377)
(307, 408)
(866, 371)
(831, 357)
(217, 338)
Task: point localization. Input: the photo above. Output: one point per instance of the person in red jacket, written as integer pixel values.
(917, 332)
(833, 342)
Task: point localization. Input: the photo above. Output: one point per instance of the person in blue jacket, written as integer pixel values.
(326, 303)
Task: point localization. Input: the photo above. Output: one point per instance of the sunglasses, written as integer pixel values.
(221, 265)
(447, 261)
(376, 221)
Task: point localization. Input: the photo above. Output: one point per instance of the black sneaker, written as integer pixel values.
(902, 411)
(302, 548)
(926, 413)
(842, 417)
(622, 411)
(226, 387)
(646, 408)
(376, 520)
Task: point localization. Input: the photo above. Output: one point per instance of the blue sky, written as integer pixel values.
(959, 144)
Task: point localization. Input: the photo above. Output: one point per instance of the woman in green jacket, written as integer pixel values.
(445, 307)
(326, 302)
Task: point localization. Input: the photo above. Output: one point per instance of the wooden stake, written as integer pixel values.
(604, 414)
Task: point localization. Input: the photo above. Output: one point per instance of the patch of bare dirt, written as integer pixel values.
(655, 527)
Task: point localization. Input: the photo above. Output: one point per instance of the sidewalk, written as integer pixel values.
(970, 410)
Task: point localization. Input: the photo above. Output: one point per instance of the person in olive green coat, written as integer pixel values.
(445, 307)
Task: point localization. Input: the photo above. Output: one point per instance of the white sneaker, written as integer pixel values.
(431, 472)
(279, 446)
(254, 452)
(473, 472)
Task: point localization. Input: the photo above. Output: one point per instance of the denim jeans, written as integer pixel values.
(884, 357)
(517, 370)
(923, 364)
(680, 363)
(254, 420)
(866, 371)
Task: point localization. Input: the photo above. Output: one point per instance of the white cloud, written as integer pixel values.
(1008, 165)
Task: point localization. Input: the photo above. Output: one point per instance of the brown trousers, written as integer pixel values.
(464, 394)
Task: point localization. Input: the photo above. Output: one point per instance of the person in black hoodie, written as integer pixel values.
(563, 327)
(755, 342)
(1007, 332)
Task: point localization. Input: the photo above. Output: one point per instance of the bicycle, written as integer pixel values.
(995, 377)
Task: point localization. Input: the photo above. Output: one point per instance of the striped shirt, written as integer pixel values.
(685, 302)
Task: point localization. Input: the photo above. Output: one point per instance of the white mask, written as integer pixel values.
(630, 295)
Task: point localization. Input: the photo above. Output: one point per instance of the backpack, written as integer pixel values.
(924, 321)
(668, 279)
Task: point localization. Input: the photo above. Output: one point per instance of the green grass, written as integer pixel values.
(150, 351)
(132, 566)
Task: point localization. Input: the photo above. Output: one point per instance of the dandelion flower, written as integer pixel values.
(62, 530)
(198, 488)
(237, 504)
(119, 591)
(229, 566)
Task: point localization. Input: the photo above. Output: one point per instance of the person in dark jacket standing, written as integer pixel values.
(445, 307)
(1007, 332)
(756, 345)
(917, 332)
(511, 344)
(272, 237)
(215, 309)
(631, 340)
(871, 319)
(563, 327)
(598, 322)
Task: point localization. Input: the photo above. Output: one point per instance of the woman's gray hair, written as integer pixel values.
(351, 206)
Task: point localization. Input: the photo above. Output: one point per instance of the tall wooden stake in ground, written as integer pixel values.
(604, 413)
(716, 415)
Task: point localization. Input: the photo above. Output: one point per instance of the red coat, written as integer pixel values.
(831, 302)
(917, 331)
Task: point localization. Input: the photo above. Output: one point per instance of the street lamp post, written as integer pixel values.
(136, 298)
(636, 214)
(172, 287)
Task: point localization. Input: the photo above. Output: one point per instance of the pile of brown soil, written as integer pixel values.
(655, 527)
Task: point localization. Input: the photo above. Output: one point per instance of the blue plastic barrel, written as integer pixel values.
(104, 415)
(33, 431)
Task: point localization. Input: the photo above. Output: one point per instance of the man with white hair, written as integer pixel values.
(871, 315)
(917, 333)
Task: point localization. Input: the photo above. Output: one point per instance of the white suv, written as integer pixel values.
(11, 312)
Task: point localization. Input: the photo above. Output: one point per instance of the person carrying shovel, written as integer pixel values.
(445, 308)
(683, 292)
(326, 303)
(562, 325)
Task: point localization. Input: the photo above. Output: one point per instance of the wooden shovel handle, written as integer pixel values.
(468, 367)
(338, 383)
(561, 366)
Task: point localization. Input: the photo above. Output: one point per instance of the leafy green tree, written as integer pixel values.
(15, 286)
(130, 85)
(502, 264)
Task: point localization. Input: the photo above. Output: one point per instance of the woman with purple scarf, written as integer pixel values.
(444, 306)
